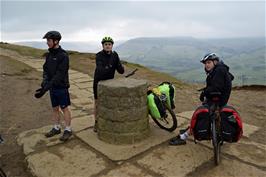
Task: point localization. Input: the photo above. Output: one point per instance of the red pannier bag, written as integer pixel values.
(200, 124)
(231, 124)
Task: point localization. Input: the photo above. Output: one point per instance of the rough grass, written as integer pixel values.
(23, 50)
(18, 68)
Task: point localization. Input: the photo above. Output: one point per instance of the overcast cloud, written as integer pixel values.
(90, 21)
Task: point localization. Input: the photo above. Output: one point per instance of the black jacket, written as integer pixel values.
(55, 69)
(219, 80)
(106, 64)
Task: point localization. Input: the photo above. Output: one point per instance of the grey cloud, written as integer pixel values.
(29, 20)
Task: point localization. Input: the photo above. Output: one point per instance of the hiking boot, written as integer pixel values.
(66, 135)
(177, 141)
(52, 132)
(175, 138)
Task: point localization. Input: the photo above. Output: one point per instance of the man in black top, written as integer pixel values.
(219, 79)
(55, 79)
(107, 62)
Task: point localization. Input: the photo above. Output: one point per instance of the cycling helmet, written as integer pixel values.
(107, 39)
(52, 35)
(209, 56)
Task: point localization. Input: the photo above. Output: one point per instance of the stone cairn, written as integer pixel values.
(122, 112)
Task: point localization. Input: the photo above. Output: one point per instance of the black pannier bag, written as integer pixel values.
(200, 124)
(231, 124)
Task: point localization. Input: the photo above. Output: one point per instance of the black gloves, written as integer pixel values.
(202, 96)
(39, 93)
(44, 88)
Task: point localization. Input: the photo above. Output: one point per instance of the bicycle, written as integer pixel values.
(166, 122)
(216, 126)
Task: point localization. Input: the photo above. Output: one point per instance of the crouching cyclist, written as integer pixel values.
(219, 79)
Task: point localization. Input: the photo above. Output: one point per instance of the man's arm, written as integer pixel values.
(44, 75)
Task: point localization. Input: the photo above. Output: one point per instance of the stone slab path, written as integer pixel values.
(84, 155)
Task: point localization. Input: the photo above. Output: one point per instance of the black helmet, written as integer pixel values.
(52, 35)
(209, 56)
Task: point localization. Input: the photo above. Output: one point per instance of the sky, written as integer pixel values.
(123, 20)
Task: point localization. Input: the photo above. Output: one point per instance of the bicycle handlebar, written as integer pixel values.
(131, 73)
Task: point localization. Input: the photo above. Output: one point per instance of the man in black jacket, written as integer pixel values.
(55, 79)
(219, 79)
(107, 62)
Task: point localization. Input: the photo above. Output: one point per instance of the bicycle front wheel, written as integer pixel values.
(169, 123)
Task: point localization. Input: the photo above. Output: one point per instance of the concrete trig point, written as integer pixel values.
(122, 112)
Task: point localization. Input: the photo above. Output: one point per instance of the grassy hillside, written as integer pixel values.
(23, 50)
(180, 56)
(248, 68)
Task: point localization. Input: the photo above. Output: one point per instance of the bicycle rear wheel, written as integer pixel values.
(169, 123)
(215, 143)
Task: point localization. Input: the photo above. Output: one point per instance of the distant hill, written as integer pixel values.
(180, 56)
(78, 46)
(92, 47)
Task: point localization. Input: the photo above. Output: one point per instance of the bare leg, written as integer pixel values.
(56, 119)
(188, 132)
(67, 116)
(56, 115)
(67, 132)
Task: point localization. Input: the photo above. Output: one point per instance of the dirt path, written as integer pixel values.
(19, 111)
